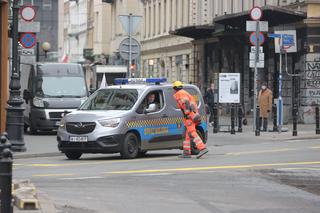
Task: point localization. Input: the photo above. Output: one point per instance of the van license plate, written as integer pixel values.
(78, 139)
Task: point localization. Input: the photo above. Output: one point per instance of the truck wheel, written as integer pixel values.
(142, 153)
(73, 155)
(130, 146)
(194, 150)
(32, 129)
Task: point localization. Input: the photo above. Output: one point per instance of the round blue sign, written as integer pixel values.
(253, 38)
(28, 40)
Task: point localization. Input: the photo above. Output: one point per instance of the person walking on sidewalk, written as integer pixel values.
(190, 111)
(209, 98)
(265, 104)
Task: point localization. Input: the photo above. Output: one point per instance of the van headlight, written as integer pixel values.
(110, 122)
(62, 124)
(38, 102)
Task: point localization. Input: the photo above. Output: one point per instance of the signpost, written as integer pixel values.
(130, 23)
(285, 41)
(256, 61)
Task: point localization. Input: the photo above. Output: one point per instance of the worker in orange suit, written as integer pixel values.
(189, 108)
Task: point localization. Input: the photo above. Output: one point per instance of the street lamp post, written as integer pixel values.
(45, 47)
(15, 120)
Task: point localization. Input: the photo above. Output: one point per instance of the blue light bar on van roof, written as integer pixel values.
(118, 81)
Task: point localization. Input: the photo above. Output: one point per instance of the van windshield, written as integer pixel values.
(60, 86)
(111, 99)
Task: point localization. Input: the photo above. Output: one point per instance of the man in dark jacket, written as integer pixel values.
(209, 98)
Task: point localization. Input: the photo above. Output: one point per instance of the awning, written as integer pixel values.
(195, 32)
(273, 15)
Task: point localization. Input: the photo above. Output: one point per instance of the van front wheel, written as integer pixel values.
(73, 155)
(130, 146)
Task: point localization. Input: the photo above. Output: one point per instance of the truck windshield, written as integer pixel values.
(111, 99)
(60, 86)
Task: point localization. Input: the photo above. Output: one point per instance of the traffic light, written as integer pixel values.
(133, 67)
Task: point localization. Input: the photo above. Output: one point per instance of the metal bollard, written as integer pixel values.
(317, 121)
(233, 118)
(240, 119)
(294, 119)
(5, 175)
(274, 112)
(257, 132)
(215, 118)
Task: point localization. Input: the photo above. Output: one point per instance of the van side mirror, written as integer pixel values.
(27, 94)
(151, 108)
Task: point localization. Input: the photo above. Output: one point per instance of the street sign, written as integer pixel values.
(26, 52)
(252, 56)
(26, 27)
(256, 13)
(260, 64)
(253, 49)
(287, 41)
(253, 38)
(251, 26)
(125, 21)
(28, 13)
(124, 48)
(28, 40)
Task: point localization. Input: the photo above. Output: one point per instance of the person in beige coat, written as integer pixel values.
(265, 104)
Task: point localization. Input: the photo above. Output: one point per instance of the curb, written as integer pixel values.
(37, 155)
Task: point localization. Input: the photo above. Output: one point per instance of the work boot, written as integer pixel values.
(184, 155)
(202, 152)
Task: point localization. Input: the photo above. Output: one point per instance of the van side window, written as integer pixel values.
(153, 97)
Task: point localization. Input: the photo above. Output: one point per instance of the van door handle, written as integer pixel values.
(165, 116)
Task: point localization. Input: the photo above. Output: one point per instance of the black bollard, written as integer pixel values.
(257, 132)
(294, 119)
(215, 118)
(317, 121)
(240, 119)
(274, 112)
(233, 118)
(5, 176)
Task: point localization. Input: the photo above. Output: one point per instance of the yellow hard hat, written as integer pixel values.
(177, 85)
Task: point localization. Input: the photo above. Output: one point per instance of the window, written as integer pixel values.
(153, 97)
(47, 4)
(26, 2)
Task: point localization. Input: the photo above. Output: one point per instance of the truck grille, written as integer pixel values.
(80, 127)
(57, 115)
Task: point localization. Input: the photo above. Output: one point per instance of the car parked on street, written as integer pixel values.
(118, 119)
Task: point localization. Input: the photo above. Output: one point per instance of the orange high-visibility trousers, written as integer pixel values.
(191, 134)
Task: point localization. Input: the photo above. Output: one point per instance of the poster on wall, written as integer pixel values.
(229, 88)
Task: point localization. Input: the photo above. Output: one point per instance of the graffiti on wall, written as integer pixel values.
(312, 82)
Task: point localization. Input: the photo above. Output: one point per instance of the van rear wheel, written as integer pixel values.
(73, 155)
(130, 146)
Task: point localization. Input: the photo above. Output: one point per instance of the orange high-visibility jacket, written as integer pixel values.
(186, 102)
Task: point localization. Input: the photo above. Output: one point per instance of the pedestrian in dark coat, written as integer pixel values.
(209, 98)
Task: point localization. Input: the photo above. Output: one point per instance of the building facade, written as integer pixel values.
(223, 46)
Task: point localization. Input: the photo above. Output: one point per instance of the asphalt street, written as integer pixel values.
(240, 174)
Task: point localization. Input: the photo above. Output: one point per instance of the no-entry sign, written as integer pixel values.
(28, 13)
